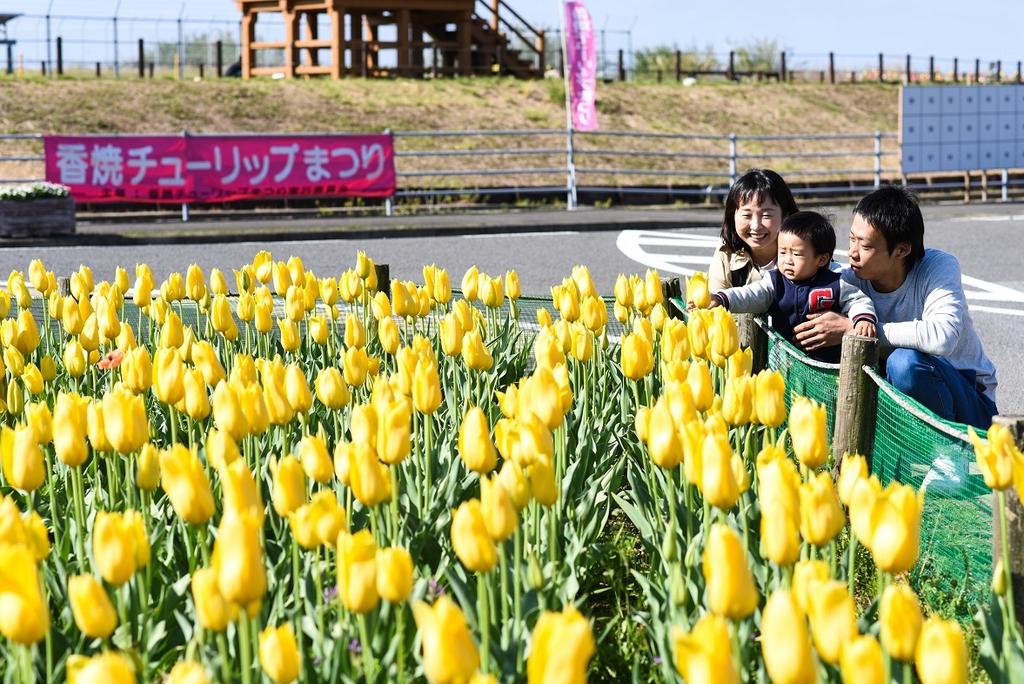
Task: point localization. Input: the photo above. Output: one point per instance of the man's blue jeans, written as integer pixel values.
(932, 380)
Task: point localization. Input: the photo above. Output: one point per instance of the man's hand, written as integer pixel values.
(825, 329)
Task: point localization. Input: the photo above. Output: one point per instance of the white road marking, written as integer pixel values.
(696, 250)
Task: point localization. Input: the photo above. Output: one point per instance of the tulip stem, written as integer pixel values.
(908, 676)
(483, 622)
(76, 493)
(222, 651)
(394, 505)
(851, 563)
(1006, 560)
(297, 590)
(400, 629)
(245, 646)
(503, 569)
(369, 666)
(428, 430)
(517, 562)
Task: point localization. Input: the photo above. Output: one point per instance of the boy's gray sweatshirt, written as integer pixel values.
(928, 312)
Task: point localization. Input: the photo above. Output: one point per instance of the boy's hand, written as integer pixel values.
(690, 306)
(865, 329)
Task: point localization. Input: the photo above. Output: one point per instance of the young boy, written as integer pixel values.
(803, 284)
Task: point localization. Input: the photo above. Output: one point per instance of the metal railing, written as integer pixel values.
(445, 167)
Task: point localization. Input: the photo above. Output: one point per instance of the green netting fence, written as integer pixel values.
(914, 446)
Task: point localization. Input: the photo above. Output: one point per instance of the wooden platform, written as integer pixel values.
(434, 38)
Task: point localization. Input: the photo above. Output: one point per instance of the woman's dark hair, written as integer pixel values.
(893, 211)
(755, 184)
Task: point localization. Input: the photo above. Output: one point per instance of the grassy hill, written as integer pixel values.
(127, 105)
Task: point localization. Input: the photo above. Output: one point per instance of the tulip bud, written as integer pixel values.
(499, 512)
(368, 477)
(561, 647)
(730, 586)
(470, 539)
(853, 470)
(475, 352)
(900, 619)
(785, 645)
(90, 606)
(941, 654)
(147, 475)
(279, 653)
(663, 441)
(833, 618)
(807, 431)
(637, 356)
(289, 486)
(821, 517)
(394, 574)
(113, 547)
(184, 481)
(862, 661)
(124, 420)
(449, 653)
(357, 571)
(238, 559)
(475, 446)
(705, 654)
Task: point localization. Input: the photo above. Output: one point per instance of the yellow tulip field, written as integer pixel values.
(280, 475)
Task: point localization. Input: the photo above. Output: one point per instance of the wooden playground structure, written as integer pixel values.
(432, 38)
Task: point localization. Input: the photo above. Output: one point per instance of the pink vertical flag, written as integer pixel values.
(581, 61)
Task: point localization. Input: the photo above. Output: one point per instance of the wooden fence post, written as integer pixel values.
(910, 74)
(881, 68)
(622, 66)
(1014, 523)
(832, 68)
(854, 431)
(679, 66)
(782, 67)
(931, 69)
(753, 336)
(977, 70)
(732, 65)
(999, 70)
(142, 58)
(956, 70)
(60, 56)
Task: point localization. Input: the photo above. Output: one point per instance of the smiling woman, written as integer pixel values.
(757, 204)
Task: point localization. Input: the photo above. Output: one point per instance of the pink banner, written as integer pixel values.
(581, 57)
(221, 168)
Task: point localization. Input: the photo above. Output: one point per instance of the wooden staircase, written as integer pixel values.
(434, 38)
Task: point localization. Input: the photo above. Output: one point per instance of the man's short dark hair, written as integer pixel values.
(812, 227)
(893, 211)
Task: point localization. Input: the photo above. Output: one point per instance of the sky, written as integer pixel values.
(985, 29)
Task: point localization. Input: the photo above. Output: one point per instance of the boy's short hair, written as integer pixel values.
(893, 211)
(814, 228)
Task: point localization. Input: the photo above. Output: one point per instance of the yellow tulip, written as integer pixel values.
(137, 370)
(23, 463)
(289, 330)
(862, 661)
(171, 332)
(719, 482)
(124, 420)
(147, 474)
(389, 335)
(316, 462)
(738, 402)
(75, 359)
(499, 512)
(780, 511)
(862, 503)
(698, 377)
(228, 415)
(238, 559)
(475, 352)
(770, 398)
(394, 574)
(730, 589)
(289, 486)
(394, 430)
(547, 349)
(113, 547)
(472, 544)
(90, 606)
(205, 358)
(368, 477)
(25, 618)
(195, 283)
(279, 653)
(821, 517)
(539, 394)
(475, 446)
(675, 341)
(426, 386)
(357, 571)
(941, 655)
(109, 667)
(807, 430)
(168, 376)
(28, 332)
(663, 441)
(895, 528)
(331, 389)
(70, 429)
(297, 389)
(854, 468)
(704, 655)
(724, 336)
(240, 492)
(697, 326)
(318, 522)
(513, 479)
(363, 425)
(32, 379)
(318, 329)
(184, 481)
(187, 672)
(697, 291)
(543, 486)
(806, 574)
(562, 645)
(106, 319)
(785, 645)
(449, 654)
(355, 365)
(900, 619)
(38, 417)
(997, 456)
(637, 356)
(263, 316)
(833, 618)
(355, 333)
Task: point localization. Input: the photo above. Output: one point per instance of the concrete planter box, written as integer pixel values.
(37, 217)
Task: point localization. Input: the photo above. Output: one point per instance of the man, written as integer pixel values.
(935, 356)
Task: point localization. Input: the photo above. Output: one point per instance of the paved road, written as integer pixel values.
(543, 247)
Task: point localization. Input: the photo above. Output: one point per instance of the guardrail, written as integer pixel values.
(435, 167)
